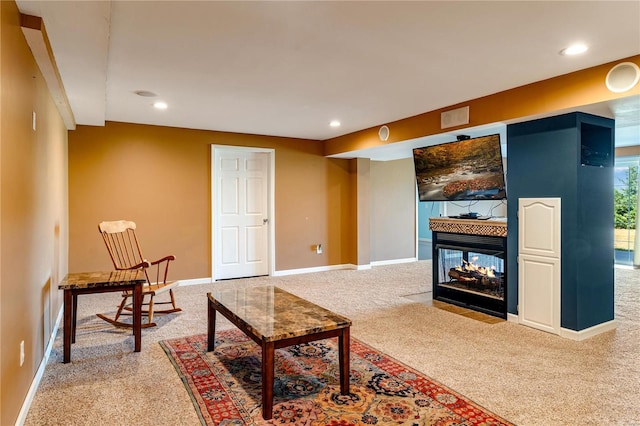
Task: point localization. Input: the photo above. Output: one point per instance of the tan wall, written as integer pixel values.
(393, 210)
(160, 177)
(363, 211)
(1, 109)
(552, 96)
(33, 214)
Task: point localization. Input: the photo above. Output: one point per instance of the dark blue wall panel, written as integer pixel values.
(544, 159)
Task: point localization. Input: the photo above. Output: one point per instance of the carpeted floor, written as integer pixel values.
(526, 376)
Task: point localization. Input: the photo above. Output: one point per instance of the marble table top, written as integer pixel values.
(82, 280)
(273, 314)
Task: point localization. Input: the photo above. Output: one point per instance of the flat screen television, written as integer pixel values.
(468, 169)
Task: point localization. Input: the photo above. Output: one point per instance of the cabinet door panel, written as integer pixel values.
(539, 263)
(539, 292)
(539, 226)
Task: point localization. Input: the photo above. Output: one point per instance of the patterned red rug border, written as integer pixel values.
(472, 412)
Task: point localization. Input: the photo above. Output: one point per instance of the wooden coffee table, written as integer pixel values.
(274, 319)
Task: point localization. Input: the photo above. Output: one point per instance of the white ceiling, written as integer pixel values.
(289, 68)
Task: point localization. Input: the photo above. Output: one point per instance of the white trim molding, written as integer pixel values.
(314, 269)
(361, 267)
(26, 405)
(394, 261)
(285, 272)
(588, 332)
(195, 281)
(573, 334)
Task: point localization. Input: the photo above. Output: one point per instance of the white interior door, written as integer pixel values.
(241, 212)
(539, 263)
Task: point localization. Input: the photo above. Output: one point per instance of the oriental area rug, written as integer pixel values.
(225, 386)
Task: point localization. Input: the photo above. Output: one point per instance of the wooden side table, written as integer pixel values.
(75, 284)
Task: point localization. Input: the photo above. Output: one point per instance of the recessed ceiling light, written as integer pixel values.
(145, 93)
(334, 123)
(574, 49)
(160, 105)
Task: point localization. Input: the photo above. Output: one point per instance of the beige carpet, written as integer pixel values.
(527, 376)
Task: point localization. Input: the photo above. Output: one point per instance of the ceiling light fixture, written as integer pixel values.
(334, 123)
(574, 49)
(160, 105)
(145, 93)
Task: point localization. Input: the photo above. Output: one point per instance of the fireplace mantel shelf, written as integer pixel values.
(493, 228)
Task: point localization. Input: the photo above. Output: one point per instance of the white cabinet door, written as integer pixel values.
(539, 263)
(539, 292)
(539, 226)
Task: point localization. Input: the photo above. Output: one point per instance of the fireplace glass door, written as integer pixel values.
(470, 271)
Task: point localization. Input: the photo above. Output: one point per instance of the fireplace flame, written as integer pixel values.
(473, 267)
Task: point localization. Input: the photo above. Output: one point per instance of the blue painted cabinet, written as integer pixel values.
(570, 156)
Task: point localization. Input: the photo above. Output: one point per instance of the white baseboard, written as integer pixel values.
(588, 332)
(22, 415)
(360, 267)
(394, 261)
(284, 272)
(314, 269)
(343, 266)
(195, 281)
(573, 334)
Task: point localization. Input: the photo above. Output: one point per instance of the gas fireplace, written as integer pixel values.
(470, 271)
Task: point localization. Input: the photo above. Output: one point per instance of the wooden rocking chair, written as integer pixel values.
(121, 241)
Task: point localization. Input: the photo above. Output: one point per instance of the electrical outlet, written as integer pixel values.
(319, 249)
(21, 353)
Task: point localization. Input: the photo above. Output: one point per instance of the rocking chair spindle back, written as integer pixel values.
(124, 249)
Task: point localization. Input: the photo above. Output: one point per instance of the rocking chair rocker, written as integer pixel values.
(121, 241)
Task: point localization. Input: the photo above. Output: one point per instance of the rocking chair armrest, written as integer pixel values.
(161, 272)
(164, 259)
(142, 265)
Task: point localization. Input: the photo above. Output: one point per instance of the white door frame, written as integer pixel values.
(270, 208)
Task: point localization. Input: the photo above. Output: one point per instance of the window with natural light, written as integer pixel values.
(626, 208)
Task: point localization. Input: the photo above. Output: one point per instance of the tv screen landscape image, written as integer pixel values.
(468, 169)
